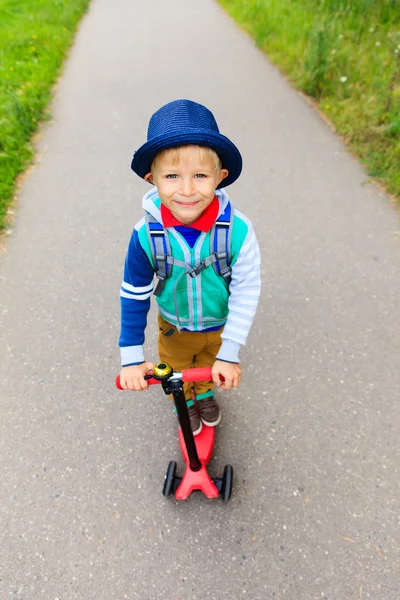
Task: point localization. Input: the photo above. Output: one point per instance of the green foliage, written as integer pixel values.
(316, 60)
(34, 37)
(346, 55)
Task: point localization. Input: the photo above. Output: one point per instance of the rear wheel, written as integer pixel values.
(227, 479)
(168, 487)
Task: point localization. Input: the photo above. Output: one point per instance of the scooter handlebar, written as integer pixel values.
(197, 374)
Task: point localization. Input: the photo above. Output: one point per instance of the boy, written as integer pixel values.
(206, 301)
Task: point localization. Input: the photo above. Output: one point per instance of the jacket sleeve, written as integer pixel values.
(136, 291)
(244, 292)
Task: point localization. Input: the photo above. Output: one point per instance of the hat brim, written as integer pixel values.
(226, 150)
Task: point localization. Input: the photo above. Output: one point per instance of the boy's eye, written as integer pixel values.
(172, 176)
(200, 175)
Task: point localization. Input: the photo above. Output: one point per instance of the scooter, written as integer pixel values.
(196, 450)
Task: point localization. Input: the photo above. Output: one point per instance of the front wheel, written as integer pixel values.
(169, 480)
(227, 480)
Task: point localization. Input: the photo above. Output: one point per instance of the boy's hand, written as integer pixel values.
(132, 378)
(232, 373)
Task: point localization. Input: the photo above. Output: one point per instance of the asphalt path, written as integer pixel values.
(312, 433)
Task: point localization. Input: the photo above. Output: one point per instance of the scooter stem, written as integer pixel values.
(176, 388)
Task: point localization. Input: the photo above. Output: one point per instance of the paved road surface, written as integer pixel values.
(313, 433)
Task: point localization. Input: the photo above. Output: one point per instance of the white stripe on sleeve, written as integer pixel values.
(134, 296)
(137, 290)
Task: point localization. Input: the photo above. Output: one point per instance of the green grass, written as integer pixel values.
(34, 38)
(346, 55)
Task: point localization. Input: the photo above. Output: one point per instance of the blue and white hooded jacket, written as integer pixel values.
(206, 302)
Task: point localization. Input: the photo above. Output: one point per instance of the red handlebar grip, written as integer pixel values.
(149, 381)
(153, 381)
(198, 374)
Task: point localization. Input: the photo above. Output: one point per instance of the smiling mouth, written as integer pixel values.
(187, 204)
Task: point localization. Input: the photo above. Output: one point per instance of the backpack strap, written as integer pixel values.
(160, 250)
(220, 243)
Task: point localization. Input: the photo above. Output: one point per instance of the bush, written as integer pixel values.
(34, 38)
(346, 55)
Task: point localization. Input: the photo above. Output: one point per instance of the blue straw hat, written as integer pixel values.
(185, 122)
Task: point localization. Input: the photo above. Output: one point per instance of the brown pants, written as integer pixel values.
(186, 350)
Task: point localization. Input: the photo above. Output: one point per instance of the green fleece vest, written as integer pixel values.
(202, 301)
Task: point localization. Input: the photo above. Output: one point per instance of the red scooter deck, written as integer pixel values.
(198, 480)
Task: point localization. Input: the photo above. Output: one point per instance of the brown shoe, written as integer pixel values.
(210, 413)
(195, 422)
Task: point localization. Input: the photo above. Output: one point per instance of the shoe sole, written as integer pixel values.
(198, 430)
(214, 423)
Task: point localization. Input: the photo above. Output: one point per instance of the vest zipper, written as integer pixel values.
(194, 288)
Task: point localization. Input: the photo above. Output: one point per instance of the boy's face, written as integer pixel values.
(186, 186)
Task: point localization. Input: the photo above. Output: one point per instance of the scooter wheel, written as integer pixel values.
(168, 487)
(227, 479)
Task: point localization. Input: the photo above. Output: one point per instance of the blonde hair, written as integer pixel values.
(175, 153)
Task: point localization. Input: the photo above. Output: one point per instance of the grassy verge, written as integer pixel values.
(34, 38)
(346, 55)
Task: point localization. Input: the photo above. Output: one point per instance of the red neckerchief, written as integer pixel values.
(203, 223)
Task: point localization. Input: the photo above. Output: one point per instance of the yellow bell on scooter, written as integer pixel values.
(162, 370)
